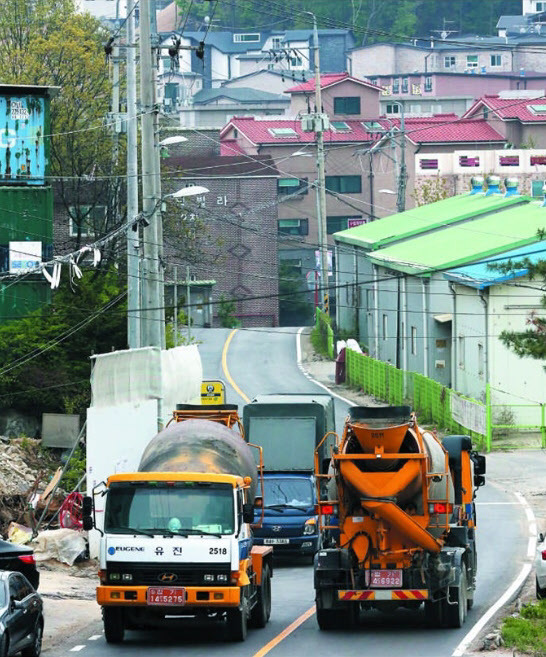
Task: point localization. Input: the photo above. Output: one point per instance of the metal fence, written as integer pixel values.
(431, 400)
(514, 426)
(326, 333)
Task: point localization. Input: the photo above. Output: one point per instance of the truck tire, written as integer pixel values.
(237, 623)
(338, 618)
(262, 609)
(114, 625)
(455, 613)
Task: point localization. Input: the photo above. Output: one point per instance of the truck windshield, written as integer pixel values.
(173, 509)
(288, 492)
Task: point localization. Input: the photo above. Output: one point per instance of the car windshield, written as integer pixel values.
(288, 492)
(175, 509)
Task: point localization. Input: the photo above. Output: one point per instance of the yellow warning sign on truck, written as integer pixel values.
(213, 392)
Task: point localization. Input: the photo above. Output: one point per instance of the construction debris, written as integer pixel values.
(64, 545)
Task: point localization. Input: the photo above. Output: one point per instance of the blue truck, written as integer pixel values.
(289, 427)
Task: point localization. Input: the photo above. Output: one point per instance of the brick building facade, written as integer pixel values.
(238, 246)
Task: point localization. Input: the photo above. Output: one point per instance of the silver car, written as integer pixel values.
(21, 616)
(540, 567)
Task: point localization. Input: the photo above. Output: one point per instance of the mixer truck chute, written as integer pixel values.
(176, 539)
(398, 517)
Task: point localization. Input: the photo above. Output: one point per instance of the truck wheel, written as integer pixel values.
(237, 622)
(262, 609)
(455, 613)
(114, 626)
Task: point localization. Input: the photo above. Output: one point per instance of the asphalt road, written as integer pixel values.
(265, 362)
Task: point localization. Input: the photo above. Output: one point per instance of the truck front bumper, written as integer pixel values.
(196, 596)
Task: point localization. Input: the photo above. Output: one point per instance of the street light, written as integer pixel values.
(194, 190)
(169, 141)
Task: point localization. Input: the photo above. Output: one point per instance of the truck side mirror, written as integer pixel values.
(87, 506)
(479, 464)
(248, 513)
(87, 513)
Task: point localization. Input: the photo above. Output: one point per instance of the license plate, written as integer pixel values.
(276, 541)
(166, 596)
(385, 579)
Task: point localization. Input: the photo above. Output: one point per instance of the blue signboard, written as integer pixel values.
(22, 147)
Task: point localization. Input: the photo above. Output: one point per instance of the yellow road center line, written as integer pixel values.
(226, 370)
(288, 630)
(301, 619)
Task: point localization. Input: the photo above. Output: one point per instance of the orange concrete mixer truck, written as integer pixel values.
(176, 542)
(398, 519)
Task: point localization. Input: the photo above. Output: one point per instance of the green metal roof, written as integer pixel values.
(466, 242)
(376, 234)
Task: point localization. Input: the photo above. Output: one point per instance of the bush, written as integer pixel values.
(527, 633)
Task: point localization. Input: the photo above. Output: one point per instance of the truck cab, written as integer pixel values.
(288, 428)
(290, 521)
(177, 544)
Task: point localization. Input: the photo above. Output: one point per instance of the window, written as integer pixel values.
(344, 184)
(167, 64)
(541, 6)
(293, 263)
(460, 350)
(495, 60)
(393, 108)
(87, 218)
(465, 161)
(425, 163)
(538, 160)
(296, 62)
(509, 160)
(428, 83)
(340, 126)
(373, 126)
(472, 61)
(385, 326)
(283, 133)
(405, 85)
(414, 340)
(373, 80)
(537, 109)
(246, 38)
(335, 224)
(293, 227)
(347, 105)
(292, 186)
(396, 85)
(450, 61)
(276, 42)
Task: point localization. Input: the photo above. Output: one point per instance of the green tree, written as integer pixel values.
(45, 356)
(294, 304)
(45, 42)
(531, 342)
(226, 313)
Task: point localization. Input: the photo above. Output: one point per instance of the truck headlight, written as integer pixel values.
(310, 527)
(208, 578)
(127, 577)
(222, 578)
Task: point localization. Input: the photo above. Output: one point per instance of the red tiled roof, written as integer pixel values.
(444, 128)
(326, 80)
(231, 147)
(510, 108)
(448, 128)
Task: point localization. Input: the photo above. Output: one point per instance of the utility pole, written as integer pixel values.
(152, 284)
(133, 269)
(175, 316)
(320, 123)
(188, 304)
(402, 178)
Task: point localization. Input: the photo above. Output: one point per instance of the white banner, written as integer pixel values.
(468, 413)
